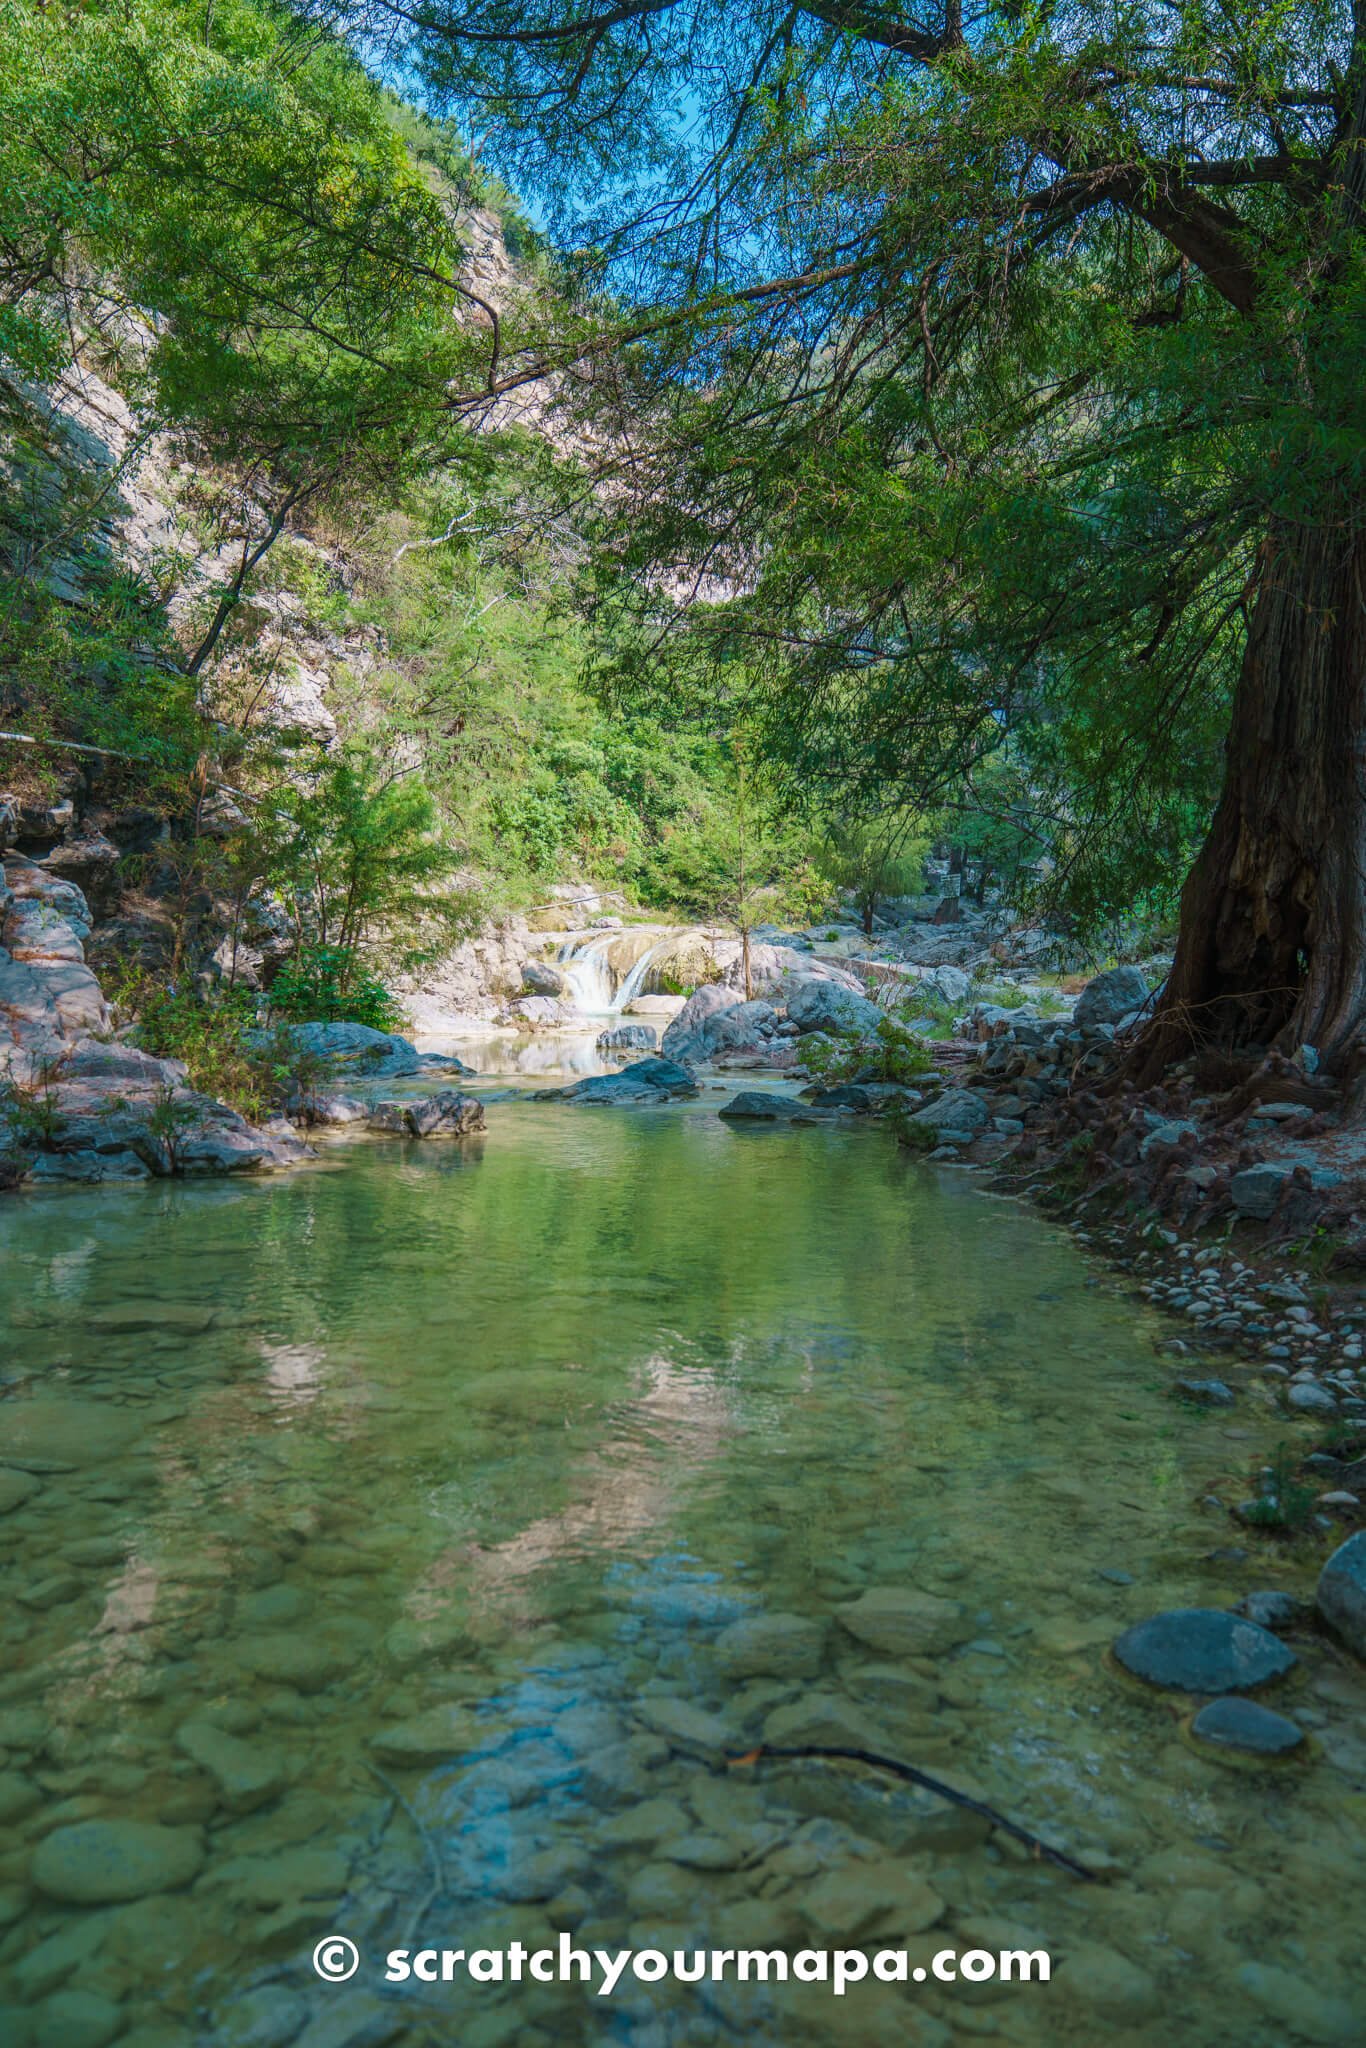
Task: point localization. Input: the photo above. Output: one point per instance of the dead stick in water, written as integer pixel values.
(935, 1785)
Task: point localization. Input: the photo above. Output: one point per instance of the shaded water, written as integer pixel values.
(519, 1430)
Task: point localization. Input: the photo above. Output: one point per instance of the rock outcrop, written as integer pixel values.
(78, 1107)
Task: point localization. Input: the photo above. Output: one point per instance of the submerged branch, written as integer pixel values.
(913, 1776)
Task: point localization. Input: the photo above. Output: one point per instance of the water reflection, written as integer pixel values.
(474, 1509)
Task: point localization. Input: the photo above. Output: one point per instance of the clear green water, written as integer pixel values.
(519, 1428)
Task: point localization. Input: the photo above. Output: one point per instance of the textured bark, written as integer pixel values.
(1272, 944)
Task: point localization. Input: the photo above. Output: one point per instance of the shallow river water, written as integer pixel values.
(403, 1540)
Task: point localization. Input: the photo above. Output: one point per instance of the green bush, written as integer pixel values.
(214, 1034)
(893, 1054)
(912, 1136)
(323, 986)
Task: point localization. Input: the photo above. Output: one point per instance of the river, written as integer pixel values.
(478, 1494)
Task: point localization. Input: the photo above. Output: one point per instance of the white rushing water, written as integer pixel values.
(604, 971)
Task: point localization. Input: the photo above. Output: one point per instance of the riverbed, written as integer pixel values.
(483, 1495)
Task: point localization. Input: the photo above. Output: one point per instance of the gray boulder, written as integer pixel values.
(1341, 1593)
(952, 984)
(1256, 1190)
(539, 978)
(753, 1106)
(642, 1083)
(447, 1115)
(542, 1013)
(713, 1022)
(355, 1048)
(628, 1038)
(1203, 1649)
(818, 1005)
(1244, 1726)
(957, 1109)
(1108, 998)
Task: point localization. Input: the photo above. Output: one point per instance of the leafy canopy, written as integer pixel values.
(962, 356)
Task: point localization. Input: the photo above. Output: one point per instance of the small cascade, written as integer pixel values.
(604, 971)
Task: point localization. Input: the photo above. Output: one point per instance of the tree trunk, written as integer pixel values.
(1272, 941)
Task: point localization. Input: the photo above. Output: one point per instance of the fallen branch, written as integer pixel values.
(912, 1776)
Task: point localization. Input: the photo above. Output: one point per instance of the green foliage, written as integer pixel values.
(362, 834)
(215, 1033)
(325, 986)
(910, 1135)
(210, 1032)
(539, 778)
(892, 1054)
(1283, 1502)
(870, 860)
(985, 369)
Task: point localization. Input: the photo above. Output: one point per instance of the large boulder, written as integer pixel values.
(447, 1115)
(539, 978)
(957, 1109)
(644, 1082)
(1341, 1593)
(628, 1038)
(542, 1013)
(1109, 998)
(355, 1048)
(816, 1004)
(714, 1022)
(753, 1106)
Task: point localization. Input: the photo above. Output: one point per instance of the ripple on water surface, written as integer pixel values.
(393, 1546)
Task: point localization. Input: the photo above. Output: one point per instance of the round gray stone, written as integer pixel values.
(1243, 1725)
(1203, 1649)
(1341, 1593)
(99, 1862)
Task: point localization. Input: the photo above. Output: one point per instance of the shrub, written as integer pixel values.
(323, 986)
(892, 1054)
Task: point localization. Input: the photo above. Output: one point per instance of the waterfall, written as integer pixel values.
(604, 971)
(589, 982)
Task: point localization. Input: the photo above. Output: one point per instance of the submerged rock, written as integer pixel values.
(1341, 1593)
(1243, 1725)
(771, 1646)
(429, 1738)
(645, 1081)
(901, 1621)
(1203, 1649)
(102, 1862)
(246, 1777)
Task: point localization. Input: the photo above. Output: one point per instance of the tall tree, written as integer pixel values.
(1006, 360)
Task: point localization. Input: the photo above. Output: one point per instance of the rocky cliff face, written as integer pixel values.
(75, 1106)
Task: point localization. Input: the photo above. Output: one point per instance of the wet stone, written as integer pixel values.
(1341, 1593)
(865, 1898)
(307, 1661)
(98, 1862)
(771, 1646)
(1244, 1726)
(685, 1726)
(430, 1738)
(78, 2019)
(1203, 1649)
(901, 1621)
(246, 1777)
(15, 1488)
